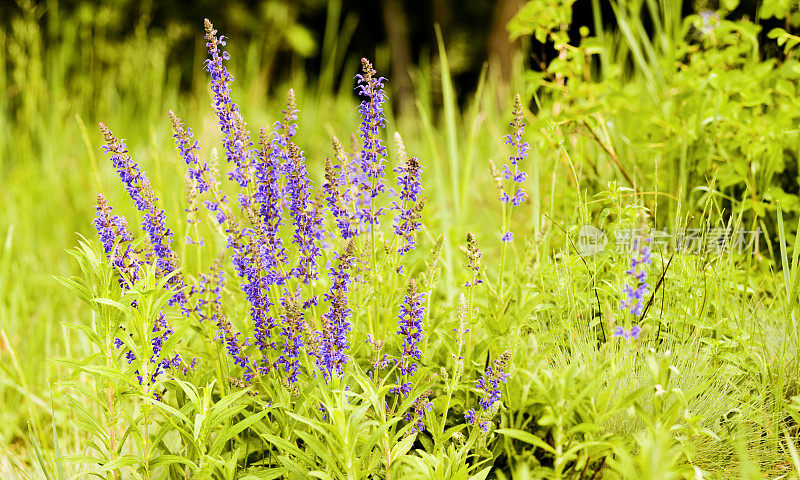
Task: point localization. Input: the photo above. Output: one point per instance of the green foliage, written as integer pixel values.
(688, 121)
(691, 109)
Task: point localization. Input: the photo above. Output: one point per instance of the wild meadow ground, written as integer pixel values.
(383, 306)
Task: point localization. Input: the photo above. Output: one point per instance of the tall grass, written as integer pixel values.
(720, 339)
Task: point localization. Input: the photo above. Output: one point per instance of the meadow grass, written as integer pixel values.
(710, 388)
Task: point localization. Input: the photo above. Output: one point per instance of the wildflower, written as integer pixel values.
(267, 196)
(632, 334)
(189, 148)
(163, 331)
(409, 205)
(410, 330)
(489, 384)
(334, 197)
(292, 326)
(470, 416)
(110, 228)
(635, 292)
(473, 259)
(341, 189)
(199, 171)
(378, 361)
(225, 334)
(520, 153)
(331, 357)
(210, 284)
(257, 274)
(373, 152)
(306, 215)
(153, 219)
(421, 405)
(113, 230)
(513, 173)
(236, 138)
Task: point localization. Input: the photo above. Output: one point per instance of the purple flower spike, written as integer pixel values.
(267, 198)
(292, 325)
(635, 292)
(236, 137)
(489, 385)
(408, 205)
(113, 230)
(199, 171)
(307, 215)
(153, 219)
(333, 345)
(632, 334)
(510, 171)
(409, 327)
(373, 152)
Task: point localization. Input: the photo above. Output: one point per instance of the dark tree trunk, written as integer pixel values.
(501, 51)
(396, 24)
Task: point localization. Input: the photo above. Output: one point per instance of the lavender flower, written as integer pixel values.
(164, 331)
(237, 139)
(373, 152)
(470, 416)
(635, 292)
(473, 260)
(267, 199)
(421, 405)
(159, 236)
(409, 327)
(351, 177)
(306, 216)
(113, 230)
(257, 276)
(292, 326)
(339, 192)
(331, 357)
(520, 153)
(334, 197)
(489, 384)
(153, 218)
(513, 173)
(189, 149)
(199, 171)
(110, 228)
(230, 339)
(632, 334)
(409, 205)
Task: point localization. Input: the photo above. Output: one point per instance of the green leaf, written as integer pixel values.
(164, 460)
(267, 474)
(402, 447)
(527, 438)
(119, 462)
(235, 430)
(482, 474)
(38, 451)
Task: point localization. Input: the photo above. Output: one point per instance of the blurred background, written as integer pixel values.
(693, 99)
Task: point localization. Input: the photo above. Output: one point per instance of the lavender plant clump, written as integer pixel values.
(292, 312)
